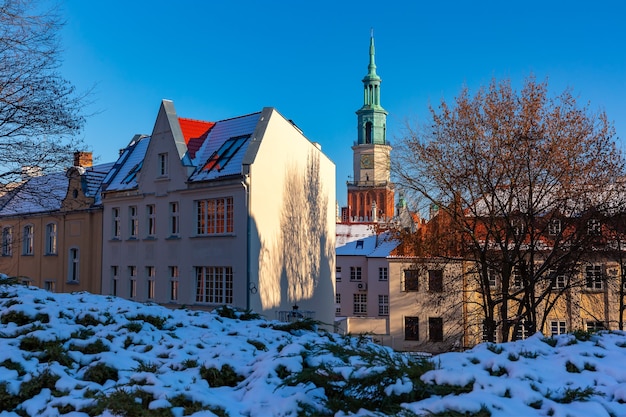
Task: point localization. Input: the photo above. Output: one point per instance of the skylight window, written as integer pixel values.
(220, 158)
(133, 173)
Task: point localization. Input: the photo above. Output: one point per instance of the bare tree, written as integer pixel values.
(40, 111)
(517, 176)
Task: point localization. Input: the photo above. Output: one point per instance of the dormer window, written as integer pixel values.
(163, 168)
(359, 244)
(218, 160)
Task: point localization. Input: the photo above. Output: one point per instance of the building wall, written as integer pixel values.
(291, 186)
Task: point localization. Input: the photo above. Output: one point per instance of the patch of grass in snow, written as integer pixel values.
(92, 348)
(258, 345)
(87, 320)
(300, 325)
(571, 395)
(191, 407)
(28, 390)
(21, 319)
(156, 321)
(101, 373)
(483, 412)
(133, 326)
(224, 377)
(128, 404)
(582, 335)
(572, 368)
(551, 341)
(528, 354)
(83, 334)
(14, 366)
(48, 351)
(146, 367)
(10, 302)
(492, 347)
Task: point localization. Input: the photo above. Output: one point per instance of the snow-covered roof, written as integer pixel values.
(346, 233)
(377, 246)
(123, 175)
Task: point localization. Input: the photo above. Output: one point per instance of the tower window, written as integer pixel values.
(368, 132)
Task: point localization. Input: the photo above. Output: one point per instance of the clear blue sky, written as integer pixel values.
(221, 59)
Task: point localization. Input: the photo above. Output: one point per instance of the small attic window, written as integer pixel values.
(223, 155)
(359, 244)
(133, 173)
(75, 193)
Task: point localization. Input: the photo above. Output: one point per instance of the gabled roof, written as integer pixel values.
(46, 193)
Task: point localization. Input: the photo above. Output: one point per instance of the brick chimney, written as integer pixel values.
(83, 159)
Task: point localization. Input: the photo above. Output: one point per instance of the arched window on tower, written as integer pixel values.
(360, 211)
(368, 132)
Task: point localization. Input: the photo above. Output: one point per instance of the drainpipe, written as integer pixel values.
(244, 183)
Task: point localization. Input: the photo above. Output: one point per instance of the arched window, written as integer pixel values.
(28, 247)
(368, 132)
(51, 239)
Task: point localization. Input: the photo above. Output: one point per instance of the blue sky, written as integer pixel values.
(221, 59)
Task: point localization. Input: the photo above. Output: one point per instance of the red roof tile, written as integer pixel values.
(195, 132)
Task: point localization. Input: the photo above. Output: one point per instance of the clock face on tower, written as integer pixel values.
(367, 161)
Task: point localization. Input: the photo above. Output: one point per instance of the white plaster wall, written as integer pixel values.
(295, 262)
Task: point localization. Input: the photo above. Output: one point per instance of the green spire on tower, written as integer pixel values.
(372, 118)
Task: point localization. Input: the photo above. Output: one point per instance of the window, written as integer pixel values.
(174, 225)
(435, 329)
(7, 241)
(558, 281)
(411, 328)
(115, 213)
(492, 277)
(595, 326)
(554, 227)
(338, 298)
(383, 274)
(51, 239)
(557, 327)
(150, 275)
(359, 244)
(411, 280)
(593, 277)
(173, 283)
(516, 277)
(214, 284)
(487, 332)
(115, 270)
(132, 273)
(355, 273)
(521, 330)
(360, 303)
(50, 285)
(214, 216)
(133, 222)
(338, 273)
(220, 158)
(383, 305)
(74, 266)
(162, 169)
(593, 227)
(28, 240)
(435, 280)
(151, 213)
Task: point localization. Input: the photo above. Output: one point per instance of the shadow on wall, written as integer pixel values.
(300, 256)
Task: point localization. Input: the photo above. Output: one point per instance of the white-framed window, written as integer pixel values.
(521, 330)
(73, 270)
(133, 224)
(486, 332)
(150, 274)
(51, 239)
(174, 223)
(163, 165)
(594, 325)
(383, 305)
(593, 277)
(360, 303)
(214, 284)
(173, 282)
(557, 327)
(594, 227)
(516, 275)
(558, 281)
(214, 216)
(117, 223)
(151, 215)
(355, 273)
(50, 285)
(115, 270)
(28, 240)
(383, 274)
(7, 241)
(554, 227)
(338, 273)
(492, 277)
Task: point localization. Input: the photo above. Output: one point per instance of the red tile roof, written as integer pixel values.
(195, 132)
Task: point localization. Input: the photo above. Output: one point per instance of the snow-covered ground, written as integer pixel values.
(82, 354)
